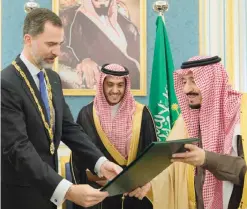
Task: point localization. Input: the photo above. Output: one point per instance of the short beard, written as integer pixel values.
(45, 65)
(40, 63)
(103, 10)
(195, 107)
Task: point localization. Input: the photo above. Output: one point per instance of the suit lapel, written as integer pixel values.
(35, 88)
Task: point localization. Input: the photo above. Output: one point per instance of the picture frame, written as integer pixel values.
(116, 36)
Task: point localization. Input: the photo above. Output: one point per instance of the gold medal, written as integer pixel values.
(52, 148)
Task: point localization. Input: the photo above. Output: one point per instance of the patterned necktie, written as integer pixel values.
(43, 93)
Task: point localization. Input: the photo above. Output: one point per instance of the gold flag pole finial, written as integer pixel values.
(160, 7)
(30, 5)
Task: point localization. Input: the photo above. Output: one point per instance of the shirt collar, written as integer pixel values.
(31, 67)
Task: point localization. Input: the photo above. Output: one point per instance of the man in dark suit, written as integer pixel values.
(34, 119)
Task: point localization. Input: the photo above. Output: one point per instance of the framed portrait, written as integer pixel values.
(98, 32)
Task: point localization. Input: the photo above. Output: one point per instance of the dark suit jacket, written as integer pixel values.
(29, 172)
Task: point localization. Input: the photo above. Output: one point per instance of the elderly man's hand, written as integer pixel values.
(195, 156)
(88, 71)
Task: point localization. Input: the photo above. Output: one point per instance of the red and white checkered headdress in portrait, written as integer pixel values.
(217, 118)
(119, 128)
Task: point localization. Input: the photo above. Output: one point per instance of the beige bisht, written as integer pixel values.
(174, 187)
(170, 188)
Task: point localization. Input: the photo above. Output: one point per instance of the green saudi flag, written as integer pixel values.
(162, 101)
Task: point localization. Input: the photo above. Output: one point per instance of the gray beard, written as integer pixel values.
(45, 65)
(41, 63)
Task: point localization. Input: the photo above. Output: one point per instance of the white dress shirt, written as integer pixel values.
(58, 195)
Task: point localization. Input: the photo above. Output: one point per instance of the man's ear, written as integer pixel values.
(27, 39)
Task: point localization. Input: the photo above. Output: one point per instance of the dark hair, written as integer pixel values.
(35, 21)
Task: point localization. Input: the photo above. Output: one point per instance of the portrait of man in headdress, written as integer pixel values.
(98, 32)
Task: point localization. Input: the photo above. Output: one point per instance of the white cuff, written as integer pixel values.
(98, 165)
(58, 195)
